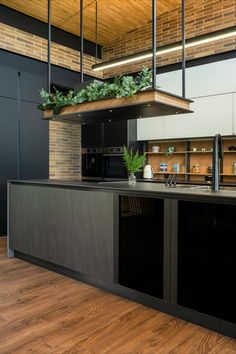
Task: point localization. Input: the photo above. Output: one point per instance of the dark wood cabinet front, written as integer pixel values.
(67, 227)
(206, 258)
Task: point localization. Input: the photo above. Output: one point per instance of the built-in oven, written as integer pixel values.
(113, 163)
(92, 165)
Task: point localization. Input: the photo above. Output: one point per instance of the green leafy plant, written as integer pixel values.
(144, 78)
(122, 86)
(133, 161)
(169, 151)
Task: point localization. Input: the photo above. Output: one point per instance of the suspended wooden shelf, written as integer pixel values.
(148, 103)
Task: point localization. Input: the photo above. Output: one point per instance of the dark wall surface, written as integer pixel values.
(24, 136)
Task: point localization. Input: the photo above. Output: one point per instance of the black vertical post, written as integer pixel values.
(183, 49)
(154, 42)
(96, 29)
(49, 47)
(81, 42)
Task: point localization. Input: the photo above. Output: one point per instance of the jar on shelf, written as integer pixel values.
(195, 169)
(163, 167)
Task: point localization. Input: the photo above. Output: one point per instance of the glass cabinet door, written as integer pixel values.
(206, 258)
(141, 244)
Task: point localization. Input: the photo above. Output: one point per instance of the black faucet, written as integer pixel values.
(217, 158)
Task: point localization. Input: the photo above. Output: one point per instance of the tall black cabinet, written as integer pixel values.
(23, 134)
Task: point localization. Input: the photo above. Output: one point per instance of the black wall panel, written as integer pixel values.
(8, 82)
(8, 152)
(34, 142)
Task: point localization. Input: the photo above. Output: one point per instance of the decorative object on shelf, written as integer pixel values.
(195, 169)
(163, 167)
(232, 148)
(203, 149)
(234, 168)
(133, 163)
(122, 86)
(209, 169)
(156, 148)
(194, 149)
(169, 150)
(148, 172)
(176, 167)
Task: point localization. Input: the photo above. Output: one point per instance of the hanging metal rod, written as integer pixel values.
(183, 51)
(49, 47)
(96, 30)
(154, 42)
(81, 42)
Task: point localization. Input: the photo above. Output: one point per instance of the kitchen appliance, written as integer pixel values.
(148, 172)
(156, 148)
(113, 163)
(92, 163)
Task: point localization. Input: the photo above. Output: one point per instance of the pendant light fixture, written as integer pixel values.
(191, 42)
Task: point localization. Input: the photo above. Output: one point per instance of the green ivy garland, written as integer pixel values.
(122, 86)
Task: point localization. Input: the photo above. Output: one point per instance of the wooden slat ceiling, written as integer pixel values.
(115, 17)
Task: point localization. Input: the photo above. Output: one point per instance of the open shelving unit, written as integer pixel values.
(187, 158)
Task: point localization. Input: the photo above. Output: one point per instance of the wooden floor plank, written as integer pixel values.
(44, 312)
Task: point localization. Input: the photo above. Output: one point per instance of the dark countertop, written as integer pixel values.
(143, 188)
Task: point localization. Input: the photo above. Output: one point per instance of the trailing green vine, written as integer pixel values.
(122, 86)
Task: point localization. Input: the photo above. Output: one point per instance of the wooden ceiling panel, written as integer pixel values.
(115, 17)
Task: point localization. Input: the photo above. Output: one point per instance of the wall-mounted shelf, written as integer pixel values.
(187, 158)
(169, 173)
(164, 153)
(199, 152)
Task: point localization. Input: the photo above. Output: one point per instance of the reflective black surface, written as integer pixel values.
(141, 244)
(207, 262)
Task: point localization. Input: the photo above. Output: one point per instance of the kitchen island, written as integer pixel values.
(169, 248)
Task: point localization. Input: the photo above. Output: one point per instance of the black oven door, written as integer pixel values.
(114, 166)
(92, 165)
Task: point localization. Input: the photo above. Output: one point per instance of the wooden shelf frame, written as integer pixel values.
(187, 158)
(144, 104)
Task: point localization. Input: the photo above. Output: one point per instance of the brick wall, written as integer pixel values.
(64, 150)
(202, 16)
(24, 43)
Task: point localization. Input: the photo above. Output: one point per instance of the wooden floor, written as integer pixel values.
(43, 312)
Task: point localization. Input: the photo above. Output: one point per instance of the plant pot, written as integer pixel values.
(132, 179)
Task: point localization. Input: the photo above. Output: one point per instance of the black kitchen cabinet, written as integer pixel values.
(206, 258)
(30, 86)
(109, 134)
(92, 135)
(115, 133)
(34, 137)
(141, 244)
(8, 153)
(9, 82)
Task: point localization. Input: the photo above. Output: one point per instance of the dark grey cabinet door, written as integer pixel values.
(8, 153)
(34, 143)
(30, 86)
(9, 79)
(71, 228)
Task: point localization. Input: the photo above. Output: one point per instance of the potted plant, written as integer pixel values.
(133, 162)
